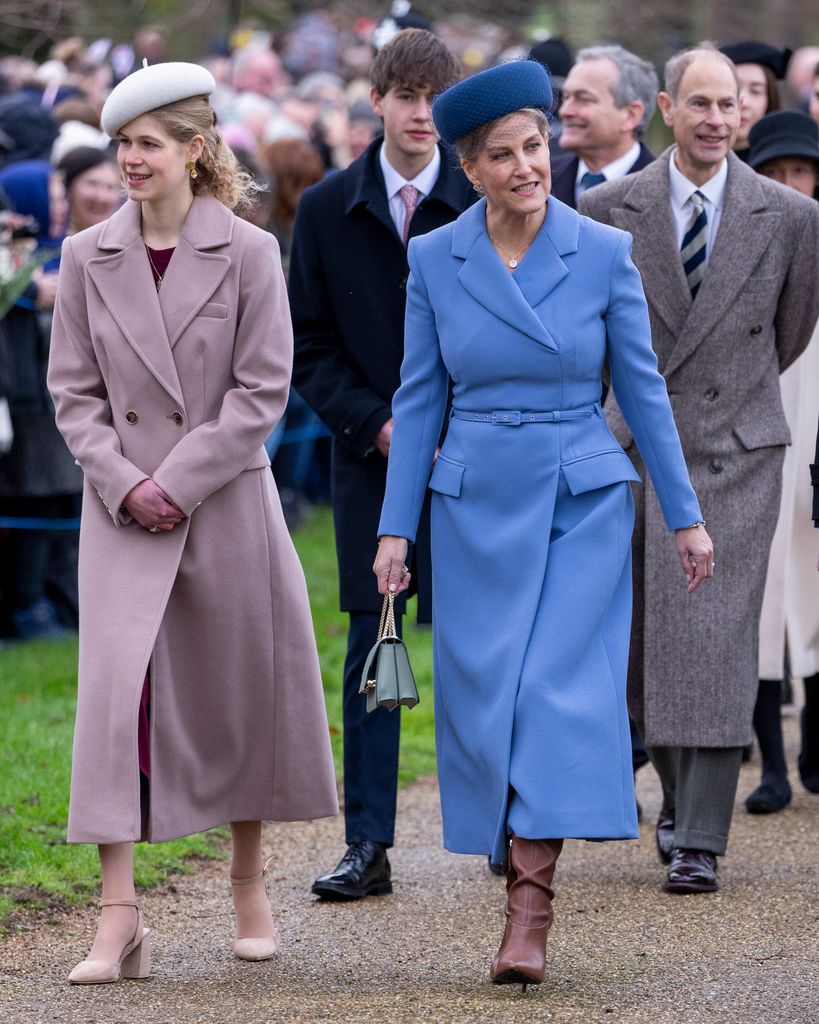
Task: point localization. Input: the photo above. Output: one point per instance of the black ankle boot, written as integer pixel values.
(774, 792)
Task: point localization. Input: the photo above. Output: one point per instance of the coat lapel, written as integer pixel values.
(124, 281)
(195, 272)
(746, 229)
(490, 284)
(646, 214)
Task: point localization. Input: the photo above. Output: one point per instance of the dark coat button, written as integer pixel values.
(712, 394)
(348, 431)
(715, 466)
(131, 417)
(178, 418)
(756, 329)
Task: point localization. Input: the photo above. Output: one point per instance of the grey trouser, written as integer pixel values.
(699, 788)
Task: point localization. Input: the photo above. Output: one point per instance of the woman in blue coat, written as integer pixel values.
(518, 304)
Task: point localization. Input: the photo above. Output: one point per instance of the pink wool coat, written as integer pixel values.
(184, 385)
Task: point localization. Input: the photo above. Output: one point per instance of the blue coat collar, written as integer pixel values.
(515, 298)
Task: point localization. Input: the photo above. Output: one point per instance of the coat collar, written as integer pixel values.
(153, 321)
(364, 184)
(515, 298)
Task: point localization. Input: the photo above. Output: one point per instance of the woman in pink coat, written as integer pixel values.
(199, 698)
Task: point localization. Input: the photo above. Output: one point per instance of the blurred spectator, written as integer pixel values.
(609, 97)
(554, 54)
(800, 74)
(28, 130)
(294, 164)
(92, 186)
(759, 67)
(813, 106)
(259, 70)
(785, 147)
(38, 477)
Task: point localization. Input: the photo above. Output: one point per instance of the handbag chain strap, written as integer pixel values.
(386, 627)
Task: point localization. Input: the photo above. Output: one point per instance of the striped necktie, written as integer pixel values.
(409, 197)
(693, 250)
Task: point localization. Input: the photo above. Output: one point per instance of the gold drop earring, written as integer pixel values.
(191, 168)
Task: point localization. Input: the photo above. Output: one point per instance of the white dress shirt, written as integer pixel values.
(618, 168)
(682, 208)
(424, 182)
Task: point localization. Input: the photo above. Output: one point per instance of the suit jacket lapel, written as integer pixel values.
(124, 281)
(364, 186)
(746, 229)
(194, 272)
(490, 284)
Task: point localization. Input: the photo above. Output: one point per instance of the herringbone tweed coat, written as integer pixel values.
(693, 666)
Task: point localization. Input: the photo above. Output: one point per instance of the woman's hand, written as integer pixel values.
(152, 508)
(390, 565)
(696, 555)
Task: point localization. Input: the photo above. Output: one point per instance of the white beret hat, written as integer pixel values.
(153, 86)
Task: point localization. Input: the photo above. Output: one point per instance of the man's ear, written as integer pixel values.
(375, 102)
(665, 103)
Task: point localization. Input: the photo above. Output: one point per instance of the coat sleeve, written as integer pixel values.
(80, 395)
(323, 373)
(641, 391)
(419, 406)
(798, 306)
(216, 452)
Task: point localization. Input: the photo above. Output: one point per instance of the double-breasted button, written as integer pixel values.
(712, 394)
(178, 418)
(715, 466)
(131, 417)
(756, 329)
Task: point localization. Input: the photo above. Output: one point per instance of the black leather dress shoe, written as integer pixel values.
(363, 871)
(768, 798)
(665, 836)
(692, 871)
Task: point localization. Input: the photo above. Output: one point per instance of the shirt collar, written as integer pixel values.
(681, 187)
(617, 168)
(424, 181)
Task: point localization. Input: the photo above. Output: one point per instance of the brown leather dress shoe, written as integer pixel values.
(692, 871)
(521, 958)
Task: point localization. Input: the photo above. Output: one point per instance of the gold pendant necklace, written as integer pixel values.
(159, 277)
(513, 262)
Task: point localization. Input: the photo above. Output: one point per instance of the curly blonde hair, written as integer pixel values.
(218, 173)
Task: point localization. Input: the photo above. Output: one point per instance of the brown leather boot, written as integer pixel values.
(521, 958)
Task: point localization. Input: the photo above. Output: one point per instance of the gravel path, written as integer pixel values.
(621, 949)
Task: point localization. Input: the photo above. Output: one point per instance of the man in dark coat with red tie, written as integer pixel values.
(608, 100)
(348, 274)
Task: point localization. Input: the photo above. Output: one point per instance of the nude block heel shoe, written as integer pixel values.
(254, 947)
(134, 962)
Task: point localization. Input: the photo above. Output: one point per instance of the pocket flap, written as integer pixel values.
(216, 310)
(599, 470)
(447, 476)
(763, 432)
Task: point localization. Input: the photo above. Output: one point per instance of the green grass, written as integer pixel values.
(37, 699)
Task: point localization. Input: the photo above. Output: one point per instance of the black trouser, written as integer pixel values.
(370, 745)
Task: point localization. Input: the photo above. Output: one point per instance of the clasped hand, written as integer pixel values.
(696, 553)
(151, 507)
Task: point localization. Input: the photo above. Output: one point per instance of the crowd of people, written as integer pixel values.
(585, 313)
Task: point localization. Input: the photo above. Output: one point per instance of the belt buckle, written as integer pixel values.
(506, 419)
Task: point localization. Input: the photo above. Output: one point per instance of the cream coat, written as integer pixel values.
(184, 385)
(790, 607)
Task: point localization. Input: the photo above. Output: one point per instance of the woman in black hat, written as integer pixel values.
(759, 68)
(785, 147)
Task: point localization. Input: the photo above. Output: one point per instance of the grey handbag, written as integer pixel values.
(387, 679)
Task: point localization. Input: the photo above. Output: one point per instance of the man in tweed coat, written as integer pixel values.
(729, 262)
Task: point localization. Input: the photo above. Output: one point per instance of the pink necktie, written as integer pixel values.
(409, 196)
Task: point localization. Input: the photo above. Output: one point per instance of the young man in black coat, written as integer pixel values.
(348, 274)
